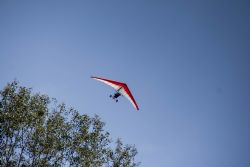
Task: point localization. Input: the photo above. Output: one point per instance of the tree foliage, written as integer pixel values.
(36, 131)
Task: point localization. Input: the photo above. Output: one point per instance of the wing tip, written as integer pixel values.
(93, 77)
(137, 107)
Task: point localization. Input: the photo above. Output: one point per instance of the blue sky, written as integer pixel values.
(186, 62)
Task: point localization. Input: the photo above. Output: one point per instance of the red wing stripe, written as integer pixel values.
(131, 96)
(111, 81)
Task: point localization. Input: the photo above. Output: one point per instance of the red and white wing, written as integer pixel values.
(124, 90)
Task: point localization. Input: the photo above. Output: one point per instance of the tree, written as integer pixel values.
(36, 131)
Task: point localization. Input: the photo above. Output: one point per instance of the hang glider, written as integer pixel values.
(121, 89)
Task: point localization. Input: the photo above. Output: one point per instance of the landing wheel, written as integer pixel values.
(116, 100)
(110, 96)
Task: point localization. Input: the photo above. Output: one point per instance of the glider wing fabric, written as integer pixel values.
(121, 88)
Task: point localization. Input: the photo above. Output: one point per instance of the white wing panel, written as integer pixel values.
(116, 87)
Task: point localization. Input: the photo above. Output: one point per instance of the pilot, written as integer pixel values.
(117, 94)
